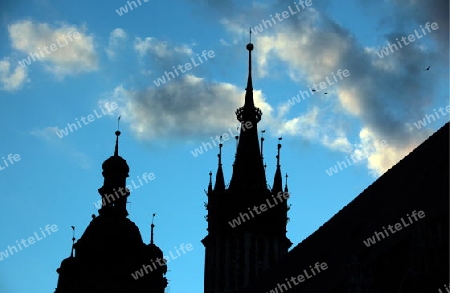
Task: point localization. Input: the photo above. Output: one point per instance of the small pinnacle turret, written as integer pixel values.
(277, 180)
(220, 181)
(210, 184)
(286, 184)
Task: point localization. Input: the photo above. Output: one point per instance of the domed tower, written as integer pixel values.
(113, 192)
(111, 256)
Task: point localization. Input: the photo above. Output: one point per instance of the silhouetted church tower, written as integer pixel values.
(238, 251)
(111, 249)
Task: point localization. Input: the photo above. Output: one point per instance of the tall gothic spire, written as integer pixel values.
(248, 169)
(248, 187)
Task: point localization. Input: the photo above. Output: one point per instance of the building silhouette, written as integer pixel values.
(246, 220)
(413, 259)
(405, 213)
(111, 249)
(246, 248)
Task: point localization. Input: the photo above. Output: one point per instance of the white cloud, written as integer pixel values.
(306, 125)
(149, 44)
(73, 54)
(48, 133)
(378, 154)
(12, 79)
(339, 143)
(116, 39)
(161, 49)
(224, 43)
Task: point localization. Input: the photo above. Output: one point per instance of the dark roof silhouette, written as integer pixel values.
(414, 259)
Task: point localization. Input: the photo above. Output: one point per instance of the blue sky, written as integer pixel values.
(114, 59)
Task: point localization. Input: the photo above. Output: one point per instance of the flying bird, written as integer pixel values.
(428, 68)
(325, 93)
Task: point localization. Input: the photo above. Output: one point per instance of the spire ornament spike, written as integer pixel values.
(152, 226)
(73, 240)
(249, 113)
(278, 155)
(220, 151)
(250, 49)
(116, 150)
(262, 143)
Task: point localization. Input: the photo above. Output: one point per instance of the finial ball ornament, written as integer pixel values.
(250, 47)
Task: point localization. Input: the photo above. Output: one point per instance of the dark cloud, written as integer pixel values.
(185, 108)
